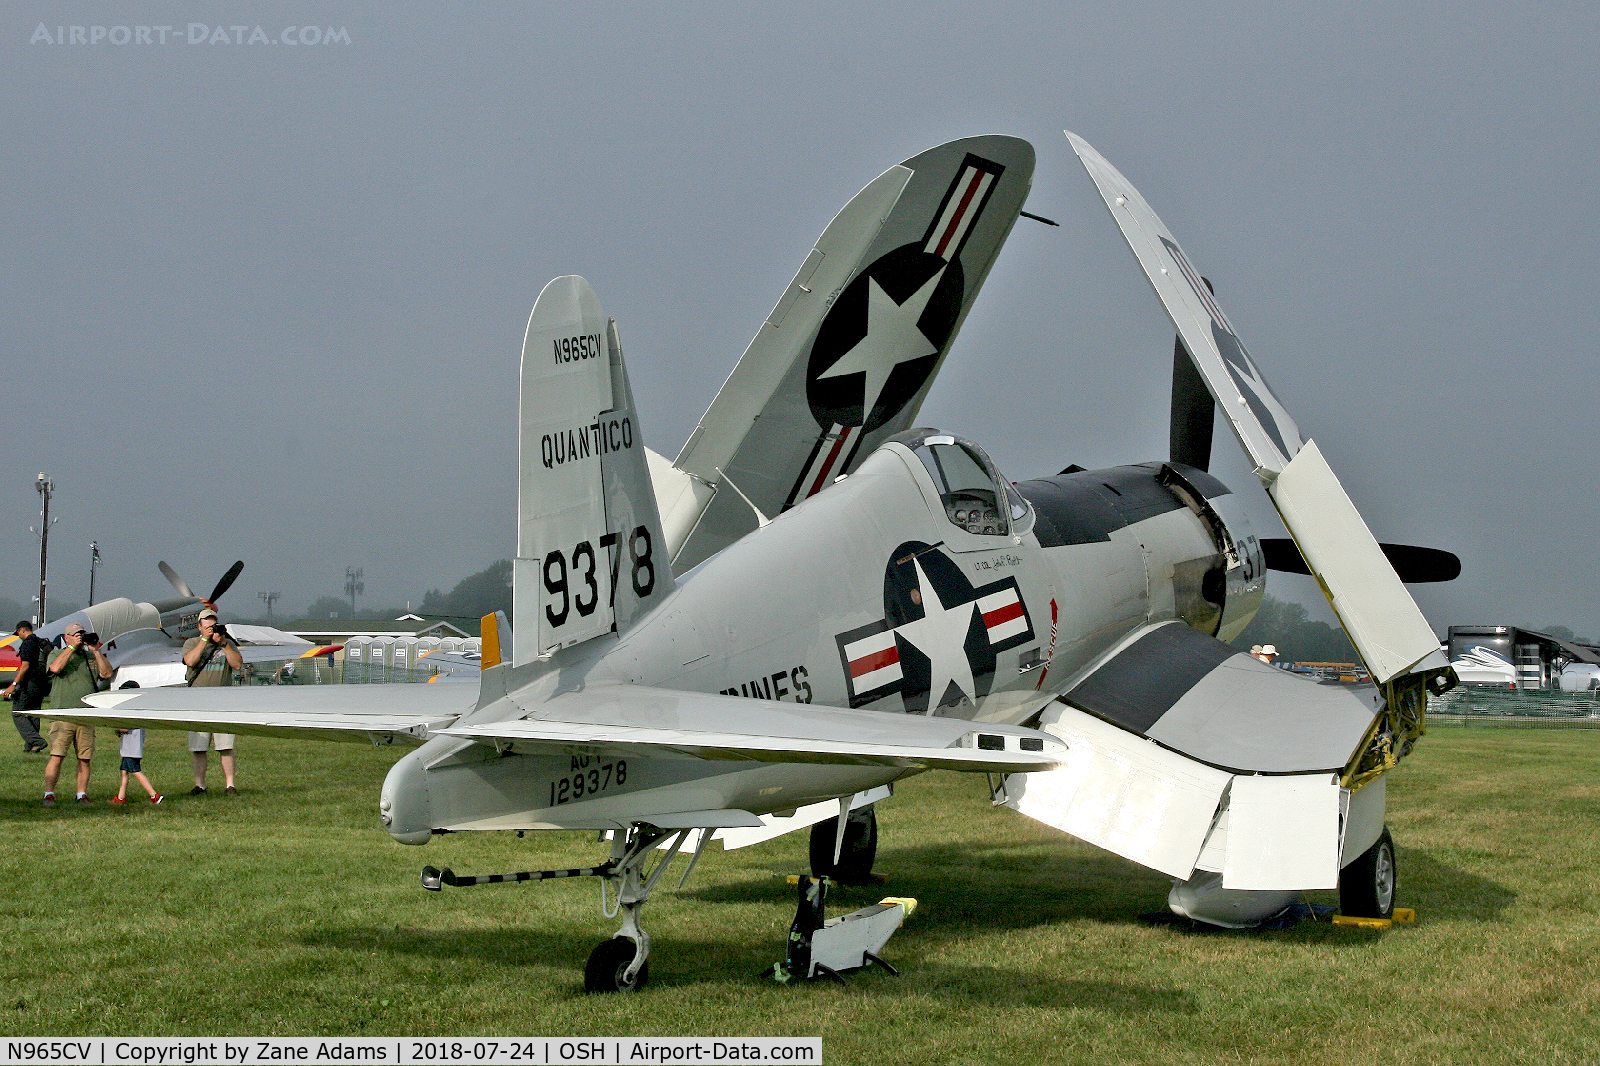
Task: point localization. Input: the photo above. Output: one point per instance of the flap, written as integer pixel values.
(1283, 833)
(1214, 703)
(1122, 793)
(635, 719)
(326, 712)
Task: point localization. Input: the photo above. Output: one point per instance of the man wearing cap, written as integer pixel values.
(27, 690)
(211, 658)
(76, 671)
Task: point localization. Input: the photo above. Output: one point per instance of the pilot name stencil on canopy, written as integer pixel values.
(600, 437)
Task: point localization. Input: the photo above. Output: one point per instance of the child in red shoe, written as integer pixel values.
(132, 765)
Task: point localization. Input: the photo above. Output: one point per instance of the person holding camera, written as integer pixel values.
(76, 671)
(211, 658)
(29, 688)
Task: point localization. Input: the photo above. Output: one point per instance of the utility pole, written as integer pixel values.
(46, 488)
(353, 585)
(94, 564)
(269, 598)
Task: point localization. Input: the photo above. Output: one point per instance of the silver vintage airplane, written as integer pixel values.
(144, 640)
(918, 610)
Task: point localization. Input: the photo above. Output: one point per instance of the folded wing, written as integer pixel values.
(1187, 754)
(1383, 621)
(852, 347)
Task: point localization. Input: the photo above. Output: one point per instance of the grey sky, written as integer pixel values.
(266, 301)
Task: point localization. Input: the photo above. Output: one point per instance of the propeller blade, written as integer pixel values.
(1414, 565)
(177, 582)
(227, 582)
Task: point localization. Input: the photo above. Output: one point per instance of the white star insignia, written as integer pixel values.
(941, 635)
(892, 338)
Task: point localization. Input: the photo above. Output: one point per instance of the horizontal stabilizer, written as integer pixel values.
(1414, 565)
(361, 713)
(610, 719)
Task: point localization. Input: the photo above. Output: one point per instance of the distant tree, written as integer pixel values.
(12, 612)
(487, 591)
(1559, 632)
(1283, 623)
(329, 607)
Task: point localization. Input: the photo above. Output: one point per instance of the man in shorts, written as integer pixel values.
(77, 671)
(211, 658)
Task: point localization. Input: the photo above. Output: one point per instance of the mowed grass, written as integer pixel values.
(288, 911)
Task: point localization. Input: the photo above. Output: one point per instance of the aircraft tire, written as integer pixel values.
(607, 962)
(1367, 886)
(860, 849)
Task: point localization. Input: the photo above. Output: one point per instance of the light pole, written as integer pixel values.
(46, 488)
(269, 598)
(94, 564)
(353, 585)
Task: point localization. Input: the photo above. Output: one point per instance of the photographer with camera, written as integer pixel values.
(77, 671)
(211, 659)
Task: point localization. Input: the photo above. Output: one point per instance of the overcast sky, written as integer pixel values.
(265, 301)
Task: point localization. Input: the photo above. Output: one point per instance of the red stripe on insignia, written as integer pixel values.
(955, 220)
(876, 661)
(1003, 614)
(822, 475)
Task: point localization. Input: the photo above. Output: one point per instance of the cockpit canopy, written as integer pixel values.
(976, 497)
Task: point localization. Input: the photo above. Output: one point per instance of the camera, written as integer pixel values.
(221, 630)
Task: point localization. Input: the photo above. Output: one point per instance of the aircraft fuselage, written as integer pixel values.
(907, 587)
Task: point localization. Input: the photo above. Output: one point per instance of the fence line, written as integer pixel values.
(1478, 707)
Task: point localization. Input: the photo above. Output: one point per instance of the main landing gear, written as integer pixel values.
(847, 861)
(620, 964)
(1367, 886)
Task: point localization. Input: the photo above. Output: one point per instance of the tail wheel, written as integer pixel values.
(1367, 886)
(608, 964)
(860, 849)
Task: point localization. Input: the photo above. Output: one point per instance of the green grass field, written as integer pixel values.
(288, 911)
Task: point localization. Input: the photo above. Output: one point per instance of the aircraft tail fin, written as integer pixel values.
(590, 556)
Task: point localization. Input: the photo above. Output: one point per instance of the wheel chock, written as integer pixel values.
(1401, 916)
(1362, 923)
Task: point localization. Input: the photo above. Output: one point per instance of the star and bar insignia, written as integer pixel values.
(939, 637)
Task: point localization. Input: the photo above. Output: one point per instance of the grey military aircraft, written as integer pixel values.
(1065, 636)
(143, 638)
